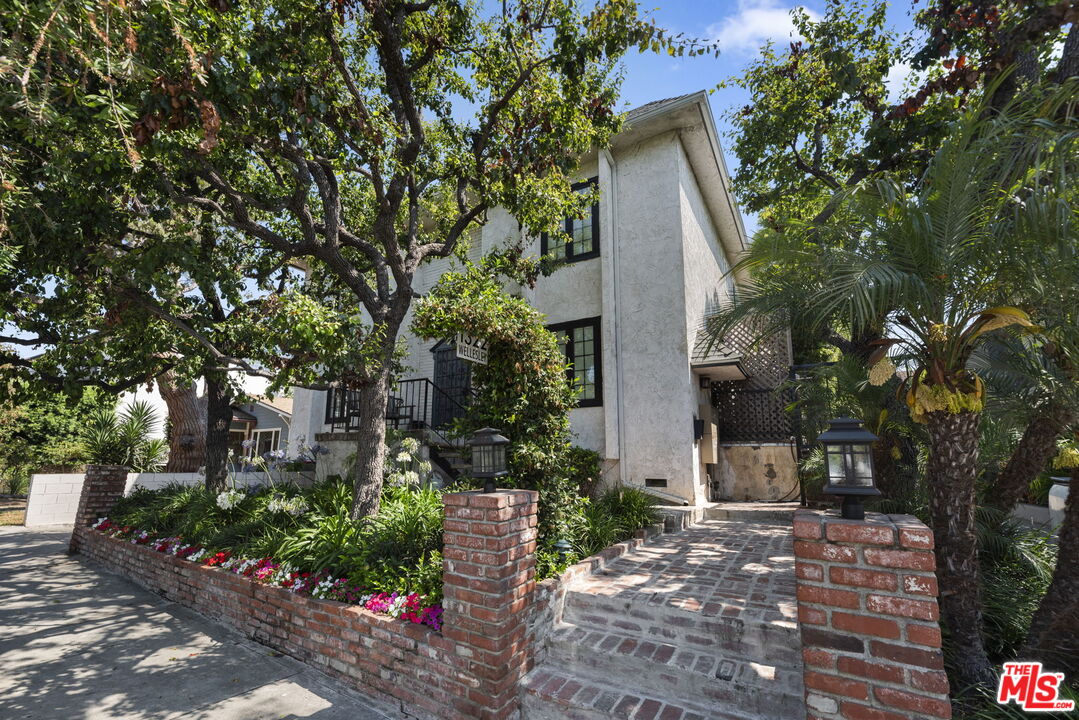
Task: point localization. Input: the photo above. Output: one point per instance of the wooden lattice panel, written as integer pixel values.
(754, 409)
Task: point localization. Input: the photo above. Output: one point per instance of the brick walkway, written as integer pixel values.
(696, 624)
(718, 568)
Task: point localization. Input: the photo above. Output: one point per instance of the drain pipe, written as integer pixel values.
(615, 287)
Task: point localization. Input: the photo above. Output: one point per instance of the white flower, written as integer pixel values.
(294, 506)
(410, 477)
(229, 499)
(410, 444)
(404, 457)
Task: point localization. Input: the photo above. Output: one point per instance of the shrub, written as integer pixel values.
(615, 516)
(124, 438)
(397, 550)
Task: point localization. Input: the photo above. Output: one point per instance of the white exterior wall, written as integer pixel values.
(53, 499)
(658, 428)
(663, 255)
(704, 290)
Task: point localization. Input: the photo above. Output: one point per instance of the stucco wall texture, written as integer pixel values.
(757, 472)
(664, 249)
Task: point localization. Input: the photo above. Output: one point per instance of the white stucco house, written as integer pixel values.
(641, 275)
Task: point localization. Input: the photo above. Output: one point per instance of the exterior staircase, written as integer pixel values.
(697, 624)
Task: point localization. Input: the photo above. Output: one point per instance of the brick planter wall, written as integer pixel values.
(468, 672)
(489, 583)
(102, 486)
(867, 605)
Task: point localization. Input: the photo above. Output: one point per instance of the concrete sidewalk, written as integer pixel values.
(78, 643)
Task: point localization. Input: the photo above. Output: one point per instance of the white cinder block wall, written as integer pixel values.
(54, 499)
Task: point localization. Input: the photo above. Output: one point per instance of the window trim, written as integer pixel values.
(273, 432)
(566, 328)
(567, 228)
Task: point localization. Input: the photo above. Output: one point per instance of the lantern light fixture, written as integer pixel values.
(848, 456)
(488, 456)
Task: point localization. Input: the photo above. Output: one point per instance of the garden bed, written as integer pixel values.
(409, 607)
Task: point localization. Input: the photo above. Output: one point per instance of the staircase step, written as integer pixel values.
(767, 637)
(557, 694)
(695, 674)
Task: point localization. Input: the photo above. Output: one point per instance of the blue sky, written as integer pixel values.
(740, 27)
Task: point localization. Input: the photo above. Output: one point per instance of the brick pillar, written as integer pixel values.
(867, 605)
(489, 574)
(102, 486)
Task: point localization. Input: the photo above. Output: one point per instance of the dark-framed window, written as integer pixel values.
(580, 340)
(583, 231)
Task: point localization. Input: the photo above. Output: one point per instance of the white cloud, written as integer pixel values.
(901, 79)
(755, 23)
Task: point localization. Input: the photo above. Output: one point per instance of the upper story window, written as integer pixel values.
(580, 340)
(584, 232)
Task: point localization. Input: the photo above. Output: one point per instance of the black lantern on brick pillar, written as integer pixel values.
(488, 456)
(848, 460)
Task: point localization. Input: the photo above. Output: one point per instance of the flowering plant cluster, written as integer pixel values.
(229, 499)
(409, 607)
(405, 467)
(294, 506)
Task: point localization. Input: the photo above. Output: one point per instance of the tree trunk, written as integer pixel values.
(218, 420)
(1035, 449)
(371, 445)
(1069, 58)
(1054, 630)
(950, 476)
(187, 424)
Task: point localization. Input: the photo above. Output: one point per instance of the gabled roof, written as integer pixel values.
(656, 106)
(690, 116)
(282, 405)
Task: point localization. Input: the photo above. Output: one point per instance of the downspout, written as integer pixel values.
(620, 402)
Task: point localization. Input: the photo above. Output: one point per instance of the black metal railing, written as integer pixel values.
(416, 404)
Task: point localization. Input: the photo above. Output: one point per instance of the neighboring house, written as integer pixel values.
(644, 270)
(265, 421)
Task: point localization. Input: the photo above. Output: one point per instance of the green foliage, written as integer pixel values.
(813, 120)
(41, 430)
(1017, 566)
(523, 390)
(613, 517)
(124, 438)
(979, 703)
(583, 470)
(398, 549)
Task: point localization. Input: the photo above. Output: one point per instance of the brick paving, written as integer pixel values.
(717, 568)
(696, 624)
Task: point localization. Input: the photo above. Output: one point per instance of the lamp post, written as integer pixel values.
(563, 548)
(848, 456)
(488, 456)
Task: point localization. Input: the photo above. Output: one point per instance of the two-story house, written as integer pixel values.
(642, 272)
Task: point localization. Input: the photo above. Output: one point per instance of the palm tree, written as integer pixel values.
(920, 268)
